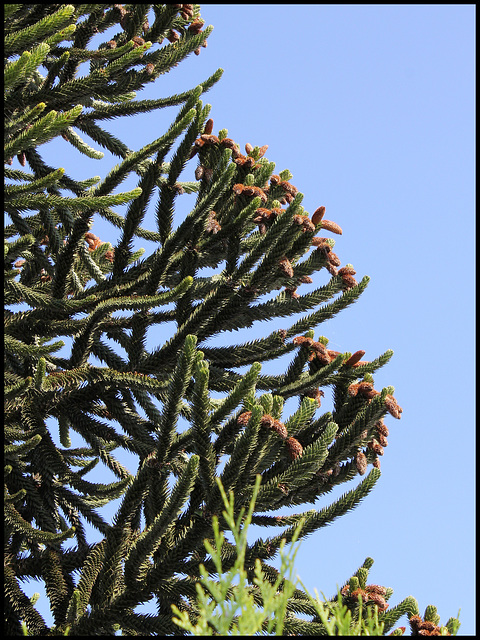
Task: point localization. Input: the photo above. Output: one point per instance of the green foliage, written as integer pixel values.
(79, 317)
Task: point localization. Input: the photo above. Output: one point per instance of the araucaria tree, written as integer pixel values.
(64, 285)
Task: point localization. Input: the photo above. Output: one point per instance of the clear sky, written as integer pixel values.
(371, 107)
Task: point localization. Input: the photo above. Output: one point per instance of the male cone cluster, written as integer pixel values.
(294, 447)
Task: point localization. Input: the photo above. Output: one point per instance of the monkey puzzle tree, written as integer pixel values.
(64, 284)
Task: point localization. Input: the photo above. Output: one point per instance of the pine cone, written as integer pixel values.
(295, 449)
(286, 267)
(318, 215)
(331, 226)
(208, 126)
(358, 355)
(244, 417)
(361, 462)
(392, 407)
(275, 425)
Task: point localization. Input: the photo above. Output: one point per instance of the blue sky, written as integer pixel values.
(371, 107)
